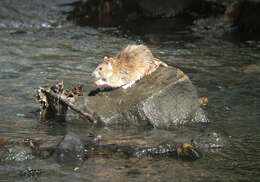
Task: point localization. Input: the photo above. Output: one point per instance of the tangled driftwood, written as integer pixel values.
(55, 101)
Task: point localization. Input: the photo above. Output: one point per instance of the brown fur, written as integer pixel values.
(131, 64)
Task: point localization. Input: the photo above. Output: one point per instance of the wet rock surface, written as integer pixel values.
(164, 99)
(16, 152)
(185, 151)
(71, 149)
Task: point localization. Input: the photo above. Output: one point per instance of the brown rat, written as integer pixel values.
(131, 64)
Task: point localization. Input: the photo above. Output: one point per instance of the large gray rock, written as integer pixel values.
(164, 99)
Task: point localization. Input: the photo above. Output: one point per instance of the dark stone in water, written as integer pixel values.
(184, 151)
(244, 14)
(164, 99)
(30, 172)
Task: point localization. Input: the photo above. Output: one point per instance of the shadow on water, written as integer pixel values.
(38, 48)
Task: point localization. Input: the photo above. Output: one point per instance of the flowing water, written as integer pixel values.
(38, 47)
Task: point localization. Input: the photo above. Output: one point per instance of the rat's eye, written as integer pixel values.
(100, 68)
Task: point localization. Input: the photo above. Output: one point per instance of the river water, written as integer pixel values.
(38, 47)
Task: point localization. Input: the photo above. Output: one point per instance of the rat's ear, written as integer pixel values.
(108, 61)
(110, 64)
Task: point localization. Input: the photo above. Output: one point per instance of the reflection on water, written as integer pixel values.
(37, 47)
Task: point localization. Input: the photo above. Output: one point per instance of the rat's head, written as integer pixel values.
(103, 71)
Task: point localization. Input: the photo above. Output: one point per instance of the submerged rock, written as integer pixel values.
(164, 99)
(71, 149)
